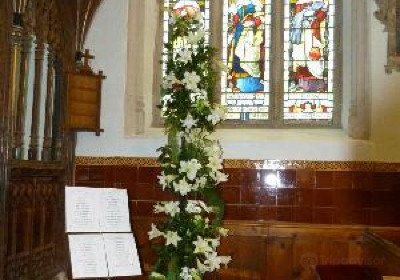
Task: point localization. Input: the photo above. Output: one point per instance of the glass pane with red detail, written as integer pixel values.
(309, 59)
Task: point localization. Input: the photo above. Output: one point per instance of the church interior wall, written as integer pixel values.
(285, 144)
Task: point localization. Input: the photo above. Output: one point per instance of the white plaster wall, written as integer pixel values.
(108, 41)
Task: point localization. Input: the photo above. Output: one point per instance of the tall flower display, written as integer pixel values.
(186, 242)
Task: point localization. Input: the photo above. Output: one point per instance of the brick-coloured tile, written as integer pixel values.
(305, 178)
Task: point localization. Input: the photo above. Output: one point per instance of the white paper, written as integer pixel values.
(82, 209)
(122, 255)
(88, 258)
(96, 210)
(115, 211)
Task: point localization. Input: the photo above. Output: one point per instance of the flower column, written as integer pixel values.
(186, 243)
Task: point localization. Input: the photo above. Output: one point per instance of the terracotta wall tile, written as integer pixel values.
(147, 175)
(249, 212)
(343, 180)
(266, 197)
(230, 194)
(232, 212)
(305, 178)
(237, 176)
(286, 197)
(362, 180)
(266, 213)
(304, 196)
(325, 215)
(287, 178)
(285, 214)
(323, 197)
(324, 179)
(304, 215)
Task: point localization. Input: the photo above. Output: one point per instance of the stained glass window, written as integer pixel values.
(183, 6)
(304, 89)
(309, 59)
(245, 85)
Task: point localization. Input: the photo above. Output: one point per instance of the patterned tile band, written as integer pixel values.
(373, 166)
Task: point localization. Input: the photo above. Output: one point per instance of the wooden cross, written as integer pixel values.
(86, 57)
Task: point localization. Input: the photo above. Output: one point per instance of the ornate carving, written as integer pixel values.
(388, 14)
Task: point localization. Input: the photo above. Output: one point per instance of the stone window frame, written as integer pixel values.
(354, 105)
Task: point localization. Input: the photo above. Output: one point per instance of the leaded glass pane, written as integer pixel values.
(245, 85)
(309, 55)
(181, 7)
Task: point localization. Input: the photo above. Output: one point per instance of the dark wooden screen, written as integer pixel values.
(38, 42)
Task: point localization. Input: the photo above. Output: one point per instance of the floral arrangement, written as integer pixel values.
(186, 242)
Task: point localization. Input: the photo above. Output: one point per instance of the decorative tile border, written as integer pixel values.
(373, 166)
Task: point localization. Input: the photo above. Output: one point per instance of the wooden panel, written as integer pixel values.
(273, 251)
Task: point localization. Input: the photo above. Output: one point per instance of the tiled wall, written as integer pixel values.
(301, 196)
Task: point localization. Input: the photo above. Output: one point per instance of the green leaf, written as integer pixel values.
(173, 269)
(213, 199)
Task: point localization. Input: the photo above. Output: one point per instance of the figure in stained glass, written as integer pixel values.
(245, 50)
(308, 45)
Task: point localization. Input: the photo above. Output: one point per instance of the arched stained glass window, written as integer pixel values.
(309, 59)
(245, 86)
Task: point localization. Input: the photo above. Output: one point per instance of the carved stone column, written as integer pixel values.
(360, 107)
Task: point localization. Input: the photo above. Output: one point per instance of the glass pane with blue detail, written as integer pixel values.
(245, 85)
(309, 53)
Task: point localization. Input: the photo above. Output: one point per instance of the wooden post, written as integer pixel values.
(19, 132)
(33, 146)
(46, 155)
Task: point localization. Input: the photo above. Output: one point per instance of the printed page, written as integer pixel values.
(115, 211)
(88, 258)
(122, 255)
(82, 209)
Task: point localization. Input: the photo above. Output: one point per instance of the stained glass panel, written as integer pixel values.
(179, 7)
(309, 54)
(245, 85)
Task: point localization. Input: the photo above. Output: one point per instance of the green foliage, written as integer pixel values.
(191, 161)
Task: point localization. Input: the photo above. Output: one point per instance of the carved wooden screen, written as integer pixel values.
(38, 41)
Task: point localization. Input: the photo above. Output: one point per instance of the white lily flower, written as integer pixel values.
(201, 267)
(172, 238)
(182, 187)
(154, 232)
(191, 80)
(225, 260)
(215, 163)
(186, 273)
(193, 38)
(189, 122)
(219, 176)
(223, 231)
(170, 80)
(185, 55)
(213, 261)
(159, 208)
(202, 246)
(196, 206)
(172, 208)
(214, 243)
(190, 168)
(198, 95)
